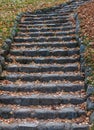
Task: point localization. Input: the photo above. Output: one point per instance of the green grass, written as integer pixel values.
(10, 8)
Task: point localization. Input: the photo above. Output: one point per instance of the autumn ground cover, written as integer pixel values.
(10, 8)
(86, 16)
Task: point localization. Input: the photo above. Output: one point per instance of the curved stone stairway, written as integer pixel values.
(42, 86)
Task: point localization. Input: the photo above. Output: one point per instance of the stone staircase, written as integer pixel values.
(42, 86)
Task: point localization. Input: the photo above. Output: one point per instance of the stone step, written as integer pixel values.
(46, 22)
(37, 34)
(45, 18)
(44, 39)
(40, 125)
(43, 24)
(43, 77)
(41, 68)
(66, 10)
(34, 15)
(36, 48)
(22, 113)
(63, 11)
(47, 44)
(45, 52)
(48, 87)
(39, 93)
(46, 29)
(70, 7)
(37, 99)
(44, 60)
